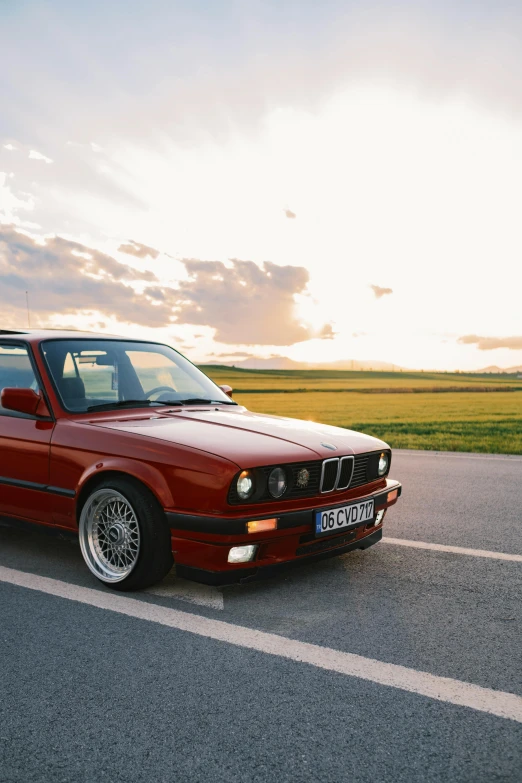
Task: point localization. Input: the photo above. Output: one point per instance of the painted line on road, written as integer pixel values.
(456, 550)
(443, 689)
(192, 592)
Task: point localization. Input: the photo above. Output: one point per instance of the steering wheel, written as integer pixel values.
(157, 389)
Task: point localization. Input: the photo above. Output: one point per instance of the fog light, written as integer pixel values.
(242, 554)
(261, 525)
(380, 516)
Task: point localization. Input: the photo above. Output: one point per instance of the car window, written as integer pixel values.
(155, 370)
(15, 370)
(88, 373)
(95, 373)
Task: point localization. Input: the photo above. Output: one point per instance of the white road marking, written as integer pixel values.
(444, 689)
(456, 550)
(183, 590)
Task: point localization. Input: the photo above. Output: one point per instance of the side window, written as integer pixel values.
(15, 370)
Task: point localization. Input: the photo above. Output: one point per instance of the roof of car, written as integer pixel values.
(37, 335)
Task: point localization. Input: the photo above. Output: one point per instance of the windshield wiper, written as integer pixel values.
(201, 401)
(122, 403)
(107, 406)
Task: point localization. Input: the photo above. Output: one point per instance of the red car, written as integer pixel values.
(131, 446)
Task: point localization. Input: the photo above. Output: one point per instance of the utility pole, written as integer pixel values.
(28, 312)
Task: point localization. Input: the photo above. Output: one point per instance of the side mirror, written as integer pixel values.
(227, 389)
(24, 401)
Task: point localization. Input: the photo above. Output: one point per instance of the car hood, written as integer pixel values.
(245, 438)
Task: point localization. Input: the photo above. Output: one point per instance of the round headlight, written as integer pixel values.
(384, 461)
(245, 485)
(277, 482)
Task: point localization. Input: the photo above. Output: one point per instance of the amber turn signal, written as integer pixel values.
(261, 525)
(392, 495)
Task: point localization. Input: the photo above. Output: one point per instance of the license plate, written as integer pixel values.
(334, 519)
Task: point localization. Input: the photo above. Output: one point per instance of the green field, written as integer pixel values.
(441, 411)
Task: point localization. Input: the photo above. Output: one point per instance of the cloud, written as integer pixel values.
(290, 214)
(378, 291)
(11, 204)
(447, 48)
(34, 155)
(140, 251)
(245, 303)
(327, 332)
(73, 195)
(67, 277)
(492, 343)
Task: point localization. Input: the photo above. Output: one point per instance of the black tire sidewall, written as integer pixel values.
(155, 555)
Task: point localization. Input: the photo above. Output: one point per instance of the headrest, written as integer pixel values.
(72, 388)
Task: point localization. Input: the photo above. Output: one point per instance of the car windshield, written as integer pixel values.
(105, 374)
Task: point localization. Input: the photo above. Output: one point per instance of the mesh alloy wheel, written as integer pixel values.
(109, 535)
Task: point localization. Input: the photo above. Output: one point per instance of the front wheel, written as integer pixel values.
(124, 537)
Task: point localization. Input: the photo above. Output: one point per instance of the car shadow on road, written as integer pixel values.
(57, 555)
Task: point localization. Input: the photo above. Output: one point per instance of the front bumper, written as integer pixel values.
(249, 574)
(200, 544)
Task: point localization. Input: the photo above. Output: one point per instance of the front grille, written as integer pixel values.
(360, 470)
(304, 478)
(295, 489)
(329, 475)
(346, 472)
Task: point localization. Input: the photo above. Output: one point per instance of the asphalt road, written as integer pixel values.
(93, 694)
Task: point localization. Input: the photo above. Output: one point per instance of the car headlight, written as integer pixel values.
(245, 484)
(277, 482)
(384, 461)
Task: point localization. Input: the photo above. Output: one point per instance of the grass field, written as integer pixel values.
(441, 411)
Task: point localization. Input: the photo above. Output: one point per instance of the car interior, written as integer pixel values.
(15, 369)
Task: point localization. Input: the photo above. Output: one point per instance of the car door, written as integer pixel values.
(24, 443)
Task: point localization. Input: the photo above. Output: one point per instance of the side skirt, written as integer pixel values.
(32, 526)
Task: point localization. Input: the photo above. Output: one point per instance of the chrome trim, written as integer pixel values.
(340, 469)
(332, 459)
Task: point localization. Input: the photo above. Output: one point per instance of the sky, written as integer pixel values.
(322, 181)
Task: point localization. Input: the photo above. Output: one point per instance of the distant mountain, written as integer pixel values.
(284, 363)
(491, 369)
(500, 370)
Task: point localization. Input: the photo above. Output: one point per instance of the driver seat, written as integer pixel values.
(72, 390)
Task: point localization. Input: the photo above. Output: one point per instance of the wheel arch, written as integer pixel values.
(149, 477)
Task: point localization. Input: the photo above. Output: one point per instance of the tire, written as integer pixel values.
(124, 536)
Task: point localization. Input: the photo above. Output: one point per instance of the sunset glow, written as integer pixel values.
(396, 199)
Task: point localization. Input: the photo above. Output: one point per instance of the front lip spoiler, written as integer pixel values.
(245, 575)
(233, 526)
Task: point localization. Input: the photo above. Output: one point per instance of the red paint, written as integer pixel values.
(186, 457)
(24, 401)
